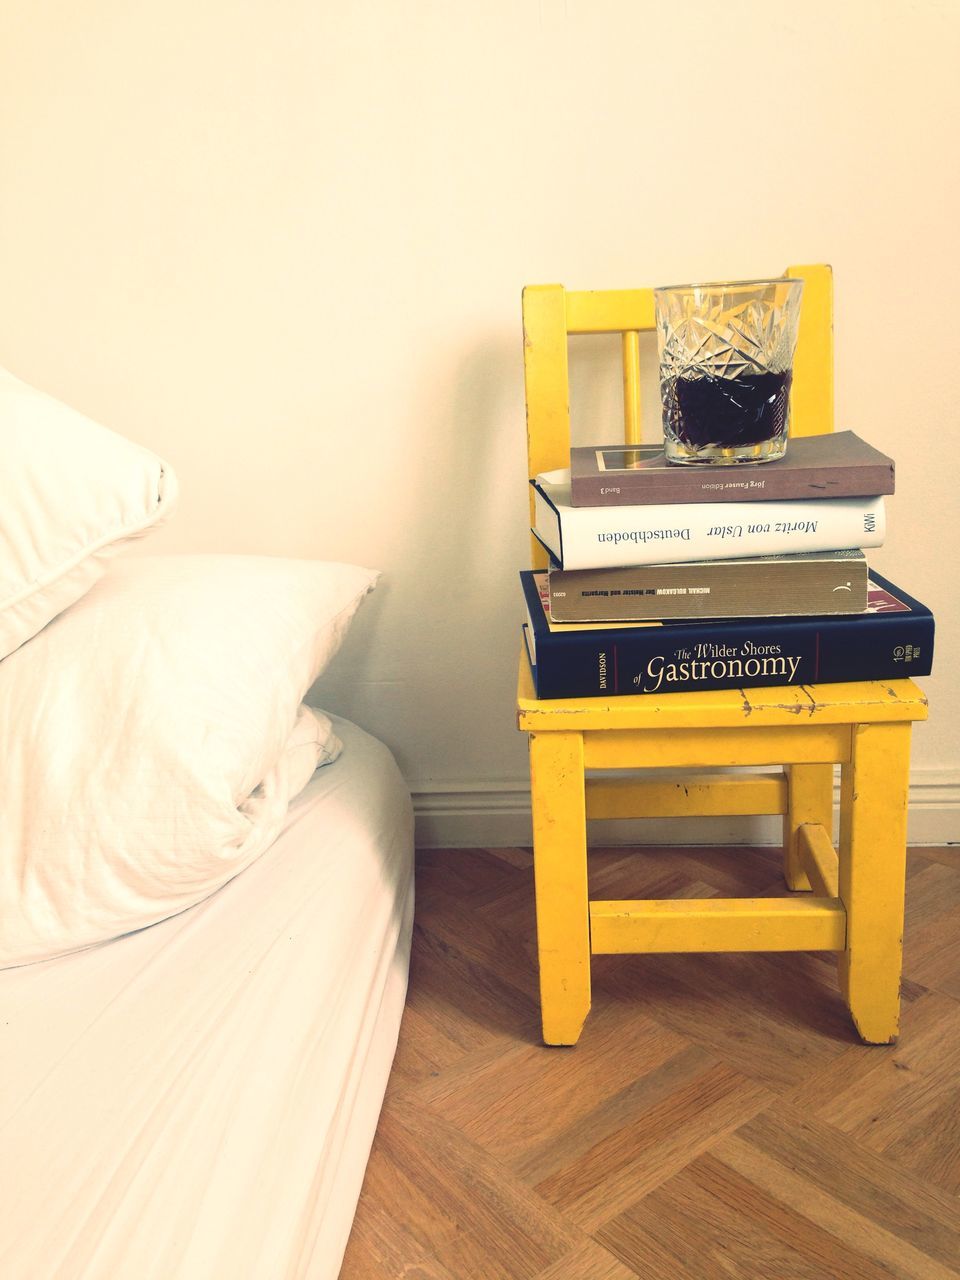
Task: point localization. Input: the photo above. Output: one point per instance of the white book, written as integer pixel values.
(601, 537)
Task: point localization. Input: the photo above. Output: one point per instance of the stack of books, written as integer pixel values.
(666, 578)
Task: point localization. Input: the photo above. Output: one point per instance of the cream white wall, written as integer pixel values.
(284, 244)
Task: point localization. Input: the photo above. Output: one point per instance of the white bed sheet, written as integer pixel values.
(197, 1100)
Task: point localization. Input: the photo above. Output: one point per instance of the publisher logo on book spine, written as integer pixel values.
(906, 653)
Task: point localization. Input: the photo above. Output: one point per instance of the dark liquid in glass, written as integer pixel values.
(727, 411)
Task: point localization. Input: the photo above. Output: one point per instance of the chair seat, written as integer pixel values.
(860, 702)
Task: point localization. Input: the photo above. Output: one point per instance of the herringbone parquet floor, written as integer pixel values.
(718, 1118)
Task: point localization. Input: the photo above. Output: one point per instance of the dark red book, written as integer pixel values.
(836, 465)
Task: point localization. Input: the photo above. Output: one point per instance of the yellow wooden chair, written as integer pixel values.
(853, 903)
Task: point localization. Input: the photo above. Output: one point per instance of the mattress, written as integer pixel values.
(198, 1099)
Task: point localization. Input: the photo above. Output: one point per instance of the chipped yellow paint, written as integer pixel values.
(709, 795)
(701, 748)
(818, 858)
(547, 388)
(810, 800)
(560, 877)
(858, 701)
(608, 310)
(717, 924)
(873, 836)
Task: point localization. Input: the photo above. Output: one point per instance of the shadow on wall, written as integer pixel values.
(443, 624)
(465, 508)
(449, 609)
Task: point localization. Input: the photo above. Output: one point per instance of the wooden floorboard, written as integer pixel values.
(718, 1118)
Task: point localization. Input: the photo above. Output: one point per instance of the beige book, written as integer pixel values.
(826, 582)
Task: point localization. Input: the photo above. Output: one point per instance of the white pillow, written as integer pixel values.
(152, 736)
(71, 492)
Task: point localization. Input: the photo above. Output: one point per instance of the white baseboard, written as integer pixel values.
(497, 815)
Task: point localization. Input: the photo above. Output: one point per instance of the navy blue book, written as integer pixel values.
(893, 638)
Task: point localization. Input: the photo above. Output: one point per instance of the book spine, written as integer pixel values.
(604, 662)
(691, 484)
(827, 582)
(600, 537)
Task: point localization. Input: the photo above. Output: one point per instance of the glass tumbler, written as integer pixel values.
(726, 366)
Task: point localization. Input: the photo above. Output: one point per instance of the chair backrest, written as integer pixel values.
(551, 314)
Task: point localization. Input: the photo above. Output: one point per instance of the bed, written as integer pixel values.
(206, 889)
(198, 1098)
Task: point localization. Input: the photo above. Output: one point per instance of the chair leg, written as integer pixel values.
(560, 873)
(809, 799)
(873, 833)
